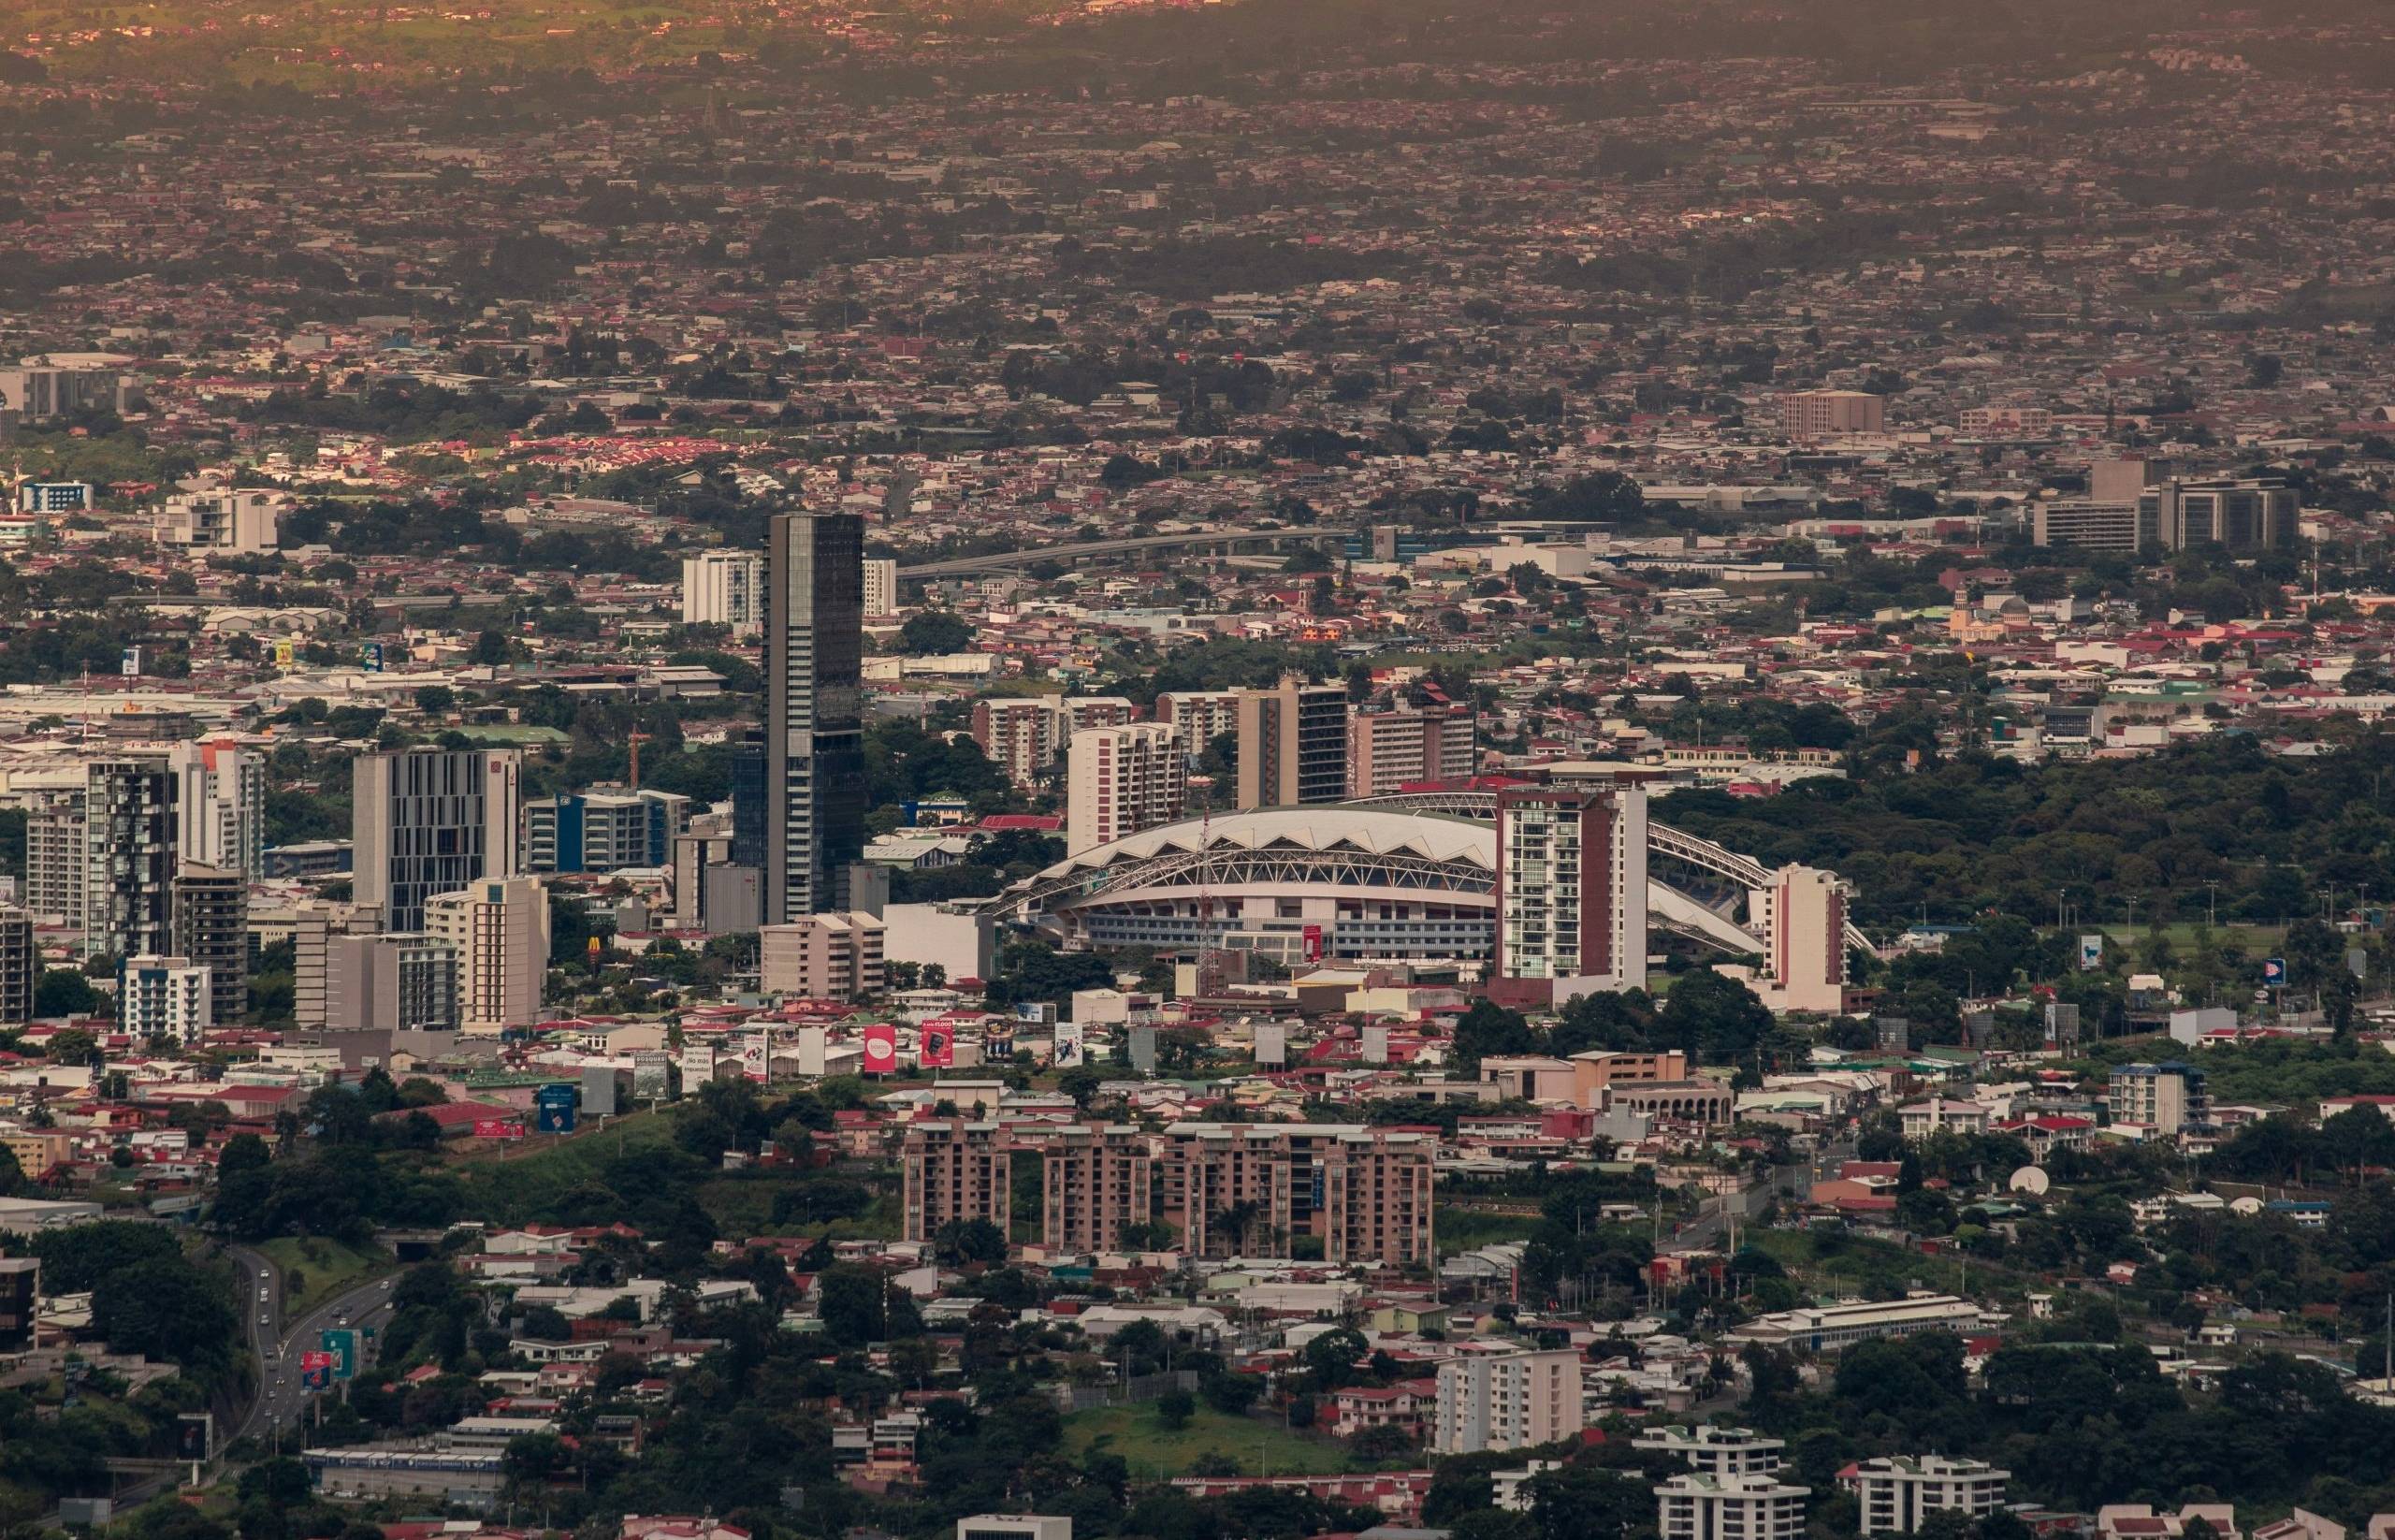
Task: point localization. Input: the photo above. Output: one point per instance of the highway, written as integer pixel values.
(1795, 1181)
(281, 1401)
(965, 566)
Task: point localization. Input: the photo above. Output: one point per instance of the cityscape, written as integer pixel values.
(1197, 770)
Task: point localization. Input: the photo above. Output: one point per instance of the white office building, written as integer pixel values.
(219, 796)
(164, 997)
(1509, 1400)
(1697, 1506)
(880, 586)
(1711, 1449)
(1895, 1492)
(725, 589)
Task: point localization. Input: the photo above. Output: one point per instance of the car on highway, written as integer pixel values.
(266, 1294)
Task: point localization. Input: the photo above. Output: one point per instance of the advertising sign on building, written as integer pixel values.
(652, 1073)
(881, 1049)
(1071, 1052)
(2091, 952)
(497, 1129)
(937, 1046)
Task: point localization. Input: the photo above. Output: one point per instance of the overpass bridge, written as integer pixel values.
(1206, 542)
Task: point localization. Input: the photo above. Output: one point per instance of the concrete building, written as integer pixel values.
(1096, 1183)
(1571, 893)
(1026, 736)
(2006, 422)
(432, 820)
(130, 845)
(880, 586)
(20, 1289)
(20, 965)
(210, 924)
(499, 930)
(1729, 1507)
(1831, 413)
(314, 927)
(1199, 717)
(39, 392)
(603, 829)
(1827, 1328)
(1802, 913)
(1391, 746)
(220, 804)
(1507, 1400)
(815, 782)
(1015, 1526)
(390, 983)
(58, 860)
(163, 998)
(2167, 1097)
(1714, 1449)
(1292, 744)
(1119, 780)
(959, 939)
(2243, 514)
(235, 521)
(1895, 1492)
(2111, 528)
(821, 957)
(724, 589)
(955, 1172)
(1376, 1191)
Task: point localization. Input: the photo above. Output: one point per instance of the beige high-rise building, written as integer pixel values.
(1832, 413)
(1025, 736)
(955, 1172)
(1393, 747)
(1199, 717)
(1803, 914)
(725, 589)
(501, 932)
(1507, 1400)
(1095, 1184)
(1119, 780)
(1571, 892)
(220, 804)
(1292, 745)
(834, 956)
(880, 586)
(1376, 1189)
(57, 861)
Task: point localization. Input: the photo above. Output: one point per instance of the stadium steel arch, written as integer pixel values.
(1661, 839)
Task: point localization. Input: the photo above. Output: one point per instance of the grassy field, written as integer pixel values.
(1835, 1263)
(1461, 1229)
(1155, 1451)
(325, 1267)
(513, 1182)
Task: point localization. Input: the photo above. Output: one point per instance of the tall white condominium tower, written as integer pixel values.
(1571, 892)
(880, 586)
(431, 821)
(219, 796)
(1803, 912)
(500, 933)
(724, 589)
(1119, 780)
(814, 706)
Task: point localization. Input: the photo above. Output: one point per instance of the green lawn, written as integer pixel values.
(325, 1268)
(1461, 1229)
(509, 1185)
(1835, 1263)
(1155, 1451)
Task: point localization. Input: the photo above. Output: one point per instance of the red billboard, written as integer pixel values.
(937, 1049)
(1313, 943)
(881, 1049)
(316, 1368)
(495, 1128)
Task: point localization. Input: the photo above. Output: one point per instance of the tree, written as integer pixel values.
(75, 1258)
(1331, 1357)
(166, 1308)
(934, 632)
(1174, 1409)
(64, 992)
(962, 1241)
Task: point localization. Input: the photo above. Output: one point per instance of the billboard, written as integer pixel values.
(129, 664)
(491, 1127)
(652, 1073)
(340, 1343)
(553, 1110)
(1313, 943)
(2091, 953)
(194, 1436)
(2274, 972)
(1143, 1050)
(371, 655)
(1071, 1052)
(814, 1051)
(937, 1049)
(881, 1049)
(698, 1064)
(598, 1089)
(1376, 1045)
(286, 652)
(1271, 1044)
(315, 1370)
(756, 1055)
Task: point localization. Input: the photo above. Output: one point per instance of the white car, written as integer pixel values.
(266, 1294)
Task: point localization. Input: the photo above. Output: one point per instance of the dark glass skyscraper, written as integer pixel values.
(748, 802)
(815, 793)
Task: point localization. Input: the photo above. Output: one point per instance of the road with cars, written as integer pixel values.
(282, 1401)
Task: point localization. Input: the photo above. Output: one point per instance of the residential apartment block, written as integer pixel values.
(1895, 1492)
(1507, 1400)
(955, 1172)
(1119, 780)
(1096, 1183)
(834, 956)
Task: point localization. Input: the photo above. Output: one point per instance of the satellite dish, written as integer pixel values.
(2246, 1205)
(2031, 1180)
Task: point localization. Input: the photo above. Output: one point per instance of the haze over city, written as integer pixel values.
(1134, 770)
